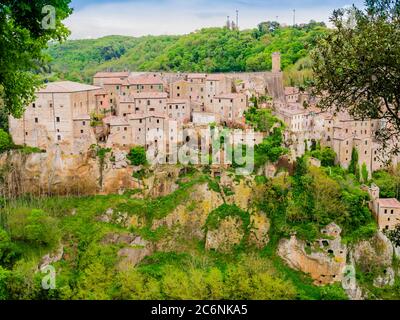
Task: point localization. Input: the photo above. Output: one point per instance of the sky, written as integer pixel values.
(98, 18)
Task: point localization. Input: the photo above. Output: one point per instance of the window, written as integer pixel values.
(58, 119)
(33, 105)
(36, 120)
(158, 121)
(148, 102)
(84, 123)
(51, 105)
(81, 131)
(59, 138)
(178, 88)
(26, 133)
(125, 129)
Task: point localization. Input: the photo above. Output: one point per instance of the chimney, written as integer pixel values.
(276, 62)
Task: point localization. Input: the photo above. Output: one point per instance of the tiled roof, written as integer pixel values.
(137, 116)
(216, 77)
(113, 81)
(144, 79)
(111, 75)
(197, 76)
(66, 87)
(389, 203)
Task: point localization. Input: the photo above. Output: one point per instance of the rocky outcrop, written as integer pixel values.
(51, 258)
(259, 230)
(133, 255)
(324, 261)
(192, 214)
(118, 218)
(376, 255)
(227, 236)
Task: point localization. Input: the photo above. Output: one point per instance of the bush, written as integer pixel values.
(137, 156)
(42, 229)
(5, 141)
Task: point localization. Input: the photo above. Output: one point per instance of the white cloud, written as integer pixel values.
(173, 17)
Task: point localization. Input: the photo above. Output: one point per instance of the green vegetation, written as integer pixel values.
(350, 59)
(137, 156)
(388, 182)
(22, 40)
(5, 141)
(271, 149)
(315, 197)
(206, 50)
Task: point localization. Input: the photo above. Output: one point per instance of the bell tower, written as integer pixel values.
(276, 62)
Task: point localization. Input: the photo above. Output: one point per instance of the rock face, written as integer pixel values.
(133, 255)
(260, 226)
(192, 214)
(376, 255)
(229, 234)
(56, 172)
(325, 260)
(53, 257)
(376, 252)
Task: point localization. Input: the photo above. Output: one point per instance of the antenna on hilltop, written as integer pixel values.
(294, 17)
(237, 19)
(228, 23)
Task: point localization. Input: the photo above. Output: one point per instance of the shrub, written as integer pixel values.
(41, 229)
(5, 141)
(137, 156)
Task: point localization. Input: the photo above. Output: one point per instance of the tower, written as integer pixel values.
(228, 23)
(276, 62)
(237, 19)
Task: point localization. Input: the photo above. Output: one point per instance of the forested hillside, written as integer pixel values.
(206, 50)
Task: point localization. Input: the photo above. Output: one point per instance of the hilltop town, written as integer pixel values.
(161, 110)
(120, 110)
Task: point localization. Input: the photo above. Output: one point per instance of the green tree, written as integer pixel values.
(353, 166)
(357, 65)
(25, 30)
(394, 236)
(364, 173)
(5, 141)
(8, 250)
(42, 229)
(137, 156)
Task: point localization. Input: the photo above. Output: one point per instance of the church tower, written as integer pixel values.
(276, 62)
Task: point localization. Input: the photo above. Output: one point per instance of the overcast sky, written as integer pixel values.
(97, 18)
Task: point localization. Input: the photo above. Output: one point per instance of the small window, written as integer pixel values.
(58, 119)
(59, 138)
(84, 123)
(33, 105)
(36, 120)
(82, 131)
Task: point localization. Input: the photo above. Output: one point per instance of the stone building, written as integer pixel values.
(386, 211)
(230, 107)
(60, 114)
(100, 77)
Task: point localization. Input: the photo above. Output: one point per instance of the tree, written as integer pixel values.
(42, 229)
(5, 141)
(364, 173)
(353, 166)
(25, 29)
(394, 236)
(357, 66)
(137, 156)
